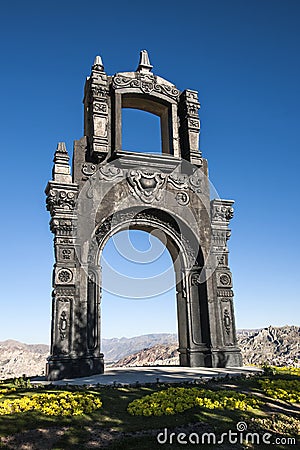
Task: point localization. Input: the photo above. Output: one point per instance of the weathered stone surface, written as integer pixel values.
(111, 189)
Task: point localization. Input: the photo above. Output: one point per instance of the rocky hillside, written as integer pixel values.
(115, 349)
(159, 354)
(277, 346)
(17, 359)
(273, 345)
(270, 345)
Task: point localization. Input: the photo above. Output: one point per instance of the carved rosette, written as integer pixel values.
(64, 276)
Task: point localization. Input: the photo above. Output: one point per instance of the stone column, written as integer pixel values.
(189, 130)
(224, 344)
(97, 125)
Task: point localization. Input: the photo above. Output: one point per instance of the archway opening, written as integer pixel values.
(138, 309)
(141, 131)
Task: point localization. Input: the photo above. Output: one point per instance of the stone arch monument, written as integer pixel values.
(110, 189)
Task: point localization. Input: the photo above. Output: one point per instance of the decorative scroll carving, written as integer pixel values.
(227, 321)
(182, 198)
(178, 180)
(147, 83)
(66, 253)
(196, 183)
(88, 169)
(146, 185)
(109, 172)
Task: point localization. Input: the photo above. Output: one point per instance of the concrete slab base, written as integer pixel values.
(153, 374)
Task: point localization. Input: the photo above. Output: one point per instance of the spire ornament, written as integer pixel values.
(98, 64)
(144, 63)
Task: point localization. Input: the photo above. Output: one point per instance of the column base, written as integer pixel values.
(216, 357)
(58, 368)
(227, 357)
(196, 357)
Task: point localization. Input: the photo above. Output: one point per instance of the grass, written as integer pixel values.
(136, 432)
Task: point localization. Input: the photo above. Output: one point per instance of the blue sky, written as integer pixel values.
(242, 57)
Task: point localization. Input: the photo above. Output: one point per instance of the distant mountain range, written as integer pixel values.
(115, 349)
(272, 345)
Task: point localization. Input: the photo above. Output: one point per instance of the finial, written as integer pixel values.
(61, 148)
(144, 63)
(98, 64)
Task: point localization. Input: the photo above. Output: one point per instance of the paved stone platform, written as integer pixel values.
(153, 374)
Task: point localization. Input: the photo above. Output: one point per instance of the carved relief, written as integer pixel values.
(182, 198)
(147, 83)
(100, 107)
(221, 260)
(225, 293)
(66, 254)
(64, 276)
(88, 169)
(225, 279)
(196, 183)
(99, 91)
(62, 226)
(195, 279)
(109, 172)
(194, 123)
(222, 213)
(178, 180)
(183, 181)
(63, 324)
(61, 292)
(227, 321)
(60, 199)
(146, 186)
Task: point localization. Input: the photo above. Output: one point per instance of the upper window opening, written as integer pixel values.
(141, 131)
